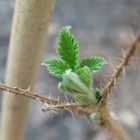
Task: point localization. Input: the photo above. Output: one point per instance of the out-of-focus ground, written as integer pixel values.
(98, 26)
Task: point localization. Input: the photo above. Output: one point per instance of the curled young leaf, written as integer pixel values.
(67, 47)
(85, 75)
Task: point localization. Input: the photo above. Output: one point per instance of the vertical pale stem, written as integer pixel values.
(31, 20)
(115, 130)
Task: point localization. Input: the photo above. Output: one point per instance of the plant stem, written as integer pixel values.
(54, 104)
(118, 71)
(27, 93)
(115, 130)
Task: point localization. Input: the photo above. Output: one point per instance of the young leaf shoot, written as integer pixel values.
(77, 78)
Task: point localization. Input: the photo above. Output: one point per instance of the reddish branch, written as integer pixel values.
(114, 129)
(53, 104)
(27, 93)
(118, 71)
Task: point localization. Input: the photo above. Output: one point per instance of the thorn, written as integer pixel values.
(54, 111)
(105, 76)
(67, 101)
(70, 111)
(123, 53)
(131, 35)
(119, 60)
(113, 67)
(124, 73)
(39, 100)
(17, 87)
(114, 81)
(28, 89)
(72, 100)
(102, 85)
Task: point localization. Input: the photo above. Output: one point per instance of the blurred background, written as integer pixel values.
(98, 26)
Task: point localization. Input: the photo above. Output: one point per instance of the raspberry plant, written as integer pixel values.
(76, 77)
(77, 81)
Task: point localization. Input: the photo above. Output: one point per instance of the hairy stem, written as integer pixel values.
(115, 130)
(27, 93)
(54, 104)
(118, 71)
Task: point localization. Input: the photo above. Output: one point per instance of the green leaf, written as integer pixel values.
(55, 67)
(74, 86)
(64, 88)
(94, 63)
(76, 80)
(72, 80)
(80, 96)
(67, 47)
(85, 75)
(83, 98)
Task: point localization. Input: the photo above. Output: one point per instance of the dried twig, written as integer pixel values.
(53, 104)
(114, 129)
(27, 93)
(118, 71)
(71, 107)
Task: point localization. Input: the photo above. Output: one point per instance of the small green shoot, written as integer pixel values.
(76, 77)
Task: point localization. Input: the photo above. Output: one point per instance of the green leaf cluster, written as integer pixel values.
(76, 77)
